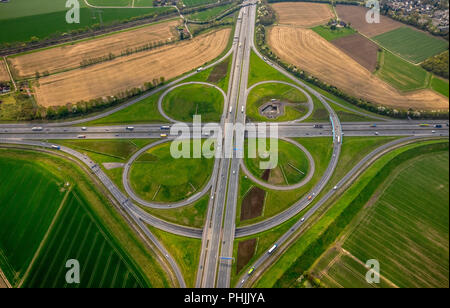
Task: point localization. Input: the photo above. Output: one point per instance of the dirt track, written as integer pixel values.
(69, 56)
(302, 13)
(356, 15)
(308, 51)
(123, 73)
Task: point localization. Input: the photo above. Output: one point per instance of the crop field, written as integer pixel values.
(356, 15)
(294, 100)
(415, 200)
(76, 235)
(48, 223)
(26, 19)
(410, 44)
(25, 214)
(440, 86)
(400, 73)
(192, 3)
(360, 49)
(157, 176)
(291, 168)
(123, 3)
(307, 50)
(303, 14)
(184, 102)
(120, 74)
(4, 76)
(70, 56)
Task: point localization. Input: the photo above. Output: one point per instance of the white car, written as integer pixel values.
(84, 128)
(303, 219)
(335, 187)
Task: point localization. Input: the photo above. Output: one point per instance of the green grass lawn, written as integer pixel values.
(86, 228)
(440, 85)
(264, 93)
(410, 44)
(25, 19)
(401, 74)
(145, 111)
(261, 71)
(315, 240)
(184, 250)
(192, 3)
(209, 13)
(157, 176)
(184, 102)
(110, 2)
(409, 220)
(276, 201)
(329, 34)
(289, 159)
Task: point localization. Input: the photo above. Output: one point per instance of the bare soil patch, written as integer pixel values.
(360, 48)
(303, 14)
(121, 74)
(219, 72)
(246, 250)
(4, 76)
(70, 56)
(253, 203)
(307, 50)
(356, 15)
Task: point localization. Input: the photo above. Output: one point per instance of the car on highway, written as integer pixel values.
(130, 128)
(373, 125)
(163, 135)
(376, 133)
(309, 197)
(81, 136)
(56, 147)
(335, 187)
(84, 128)
(37, 129)
(303, 219)
(433, 131)
(251, 270)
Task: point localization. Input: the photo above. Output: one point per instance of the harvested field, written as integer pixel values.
(70, 56)
(356, 15)
(4, 76)
(303, 14)
(361, 49)
(246, 250)
(124, 73)
(253, 203)
(307, 50)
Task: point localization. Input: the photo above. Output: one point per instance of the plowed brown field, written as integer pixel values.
(302, 13)
(356, 15)
(4, 76)
(69, 56)
(112, 77)
(360, 48)
(307, 50)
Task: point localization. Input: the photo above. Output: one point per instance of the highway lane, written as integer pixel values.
(343, 184)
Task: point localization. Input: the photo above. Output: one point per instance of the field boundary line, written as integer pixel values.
(9, 72)
(4, 279)
(45, 238)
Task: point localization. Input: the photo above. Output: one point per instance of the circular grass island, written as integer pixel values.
(156, 176)
(185, 101)
(276, 102)
(291, 168)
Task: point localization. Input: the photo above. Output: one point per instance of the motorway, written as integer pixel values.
(219, 231)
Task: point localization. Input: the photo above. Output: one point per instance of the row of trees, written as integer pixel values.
(437, 64)
(260, 37)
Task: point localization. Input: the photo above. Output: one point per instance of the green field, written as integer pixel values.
(400, 73)
(62, 222)
(41, 19)
(192, 3)
(110, 2)
(157, 176)
(264, 93)
(184, 250)
(184, 102)
(315, 240)
(439, 85)
(209, 13)
(329, 34)
(410, 44)
(290, 158)
(416, 199)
